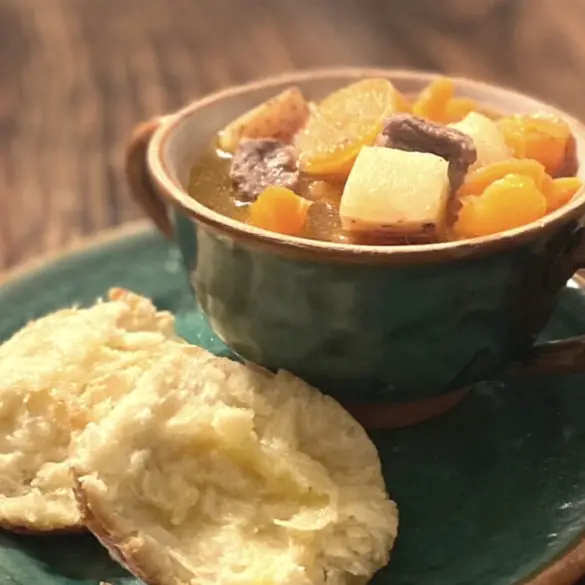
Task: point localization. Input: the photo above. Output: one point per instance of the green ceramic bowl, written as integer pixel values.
(367, 324)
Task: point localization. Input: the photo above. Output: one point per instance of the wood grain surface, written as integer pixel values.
(77, 75)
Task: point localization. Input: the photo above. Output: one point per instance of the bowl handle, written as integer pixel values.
(138, 177)
(561, 356)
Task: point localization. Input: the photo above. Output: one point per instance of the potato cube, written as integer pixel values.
(395, 191)
(489, 141)
(280, 118)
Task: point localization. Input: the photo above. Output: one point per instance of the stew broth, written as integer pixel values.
(503, 172)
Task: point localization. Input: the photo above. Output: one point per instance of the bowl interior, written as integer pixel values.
(184, 135)
(200, 123)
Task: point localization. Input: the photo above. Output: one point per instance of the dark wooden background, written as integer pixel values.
(76, 75)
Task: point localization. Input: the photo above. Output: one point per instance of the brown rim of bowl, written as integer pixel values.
(403, 254)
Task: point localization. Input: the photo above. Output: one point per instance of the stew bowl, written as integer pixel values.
(366, 324)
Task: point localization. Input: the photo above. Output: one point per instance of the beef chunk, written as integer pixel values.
(407, 132)
(261, 163)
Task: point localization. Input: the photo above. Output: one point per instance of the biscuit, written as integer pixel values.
(57, 374)
(211, 471)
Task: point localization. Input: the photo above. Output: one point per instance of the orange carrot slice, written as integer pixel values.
(562, 192)
(432, 101)
(541, 137)
(477, 181)
(509, 202)
(457, 108)
(279, 209)
(342, 123)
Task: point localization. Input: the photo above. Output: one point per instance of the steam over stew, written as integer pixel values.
(368, 166)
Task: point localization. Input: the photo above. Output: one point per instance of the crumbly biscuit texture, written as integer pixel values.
(214, 472)
(57, 374)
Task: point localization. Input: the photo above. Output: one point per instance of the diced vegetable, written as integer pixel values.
(510, 202)
(458, 108)
(369, 165)
(543, 138)
(562, 191)
(279, 118)
(432, 101)
(395, 191)
(344, 121)
(281, 210)
(488, 139)
(477, 181)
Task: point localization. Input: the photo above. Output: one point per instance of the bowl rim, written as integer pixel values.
(158, 169)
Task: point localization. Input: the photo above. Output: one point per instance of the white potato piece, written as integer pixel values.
(280, 118)
(57, 374)
(212, 472)
(395, 191)
(489, 141)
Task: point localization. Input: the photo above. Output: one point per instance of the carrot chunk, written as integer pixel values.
(541, 137)
(279, 209)
(432, 101)
(562, 192)
(457, 108)
(510, 202)
(478, 180)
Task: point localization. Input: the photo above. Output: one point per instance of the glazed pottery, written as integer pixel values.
(492, 493)
(367, 324)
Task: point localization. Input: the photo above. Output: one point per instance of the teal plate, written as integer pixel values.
(493, 493)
